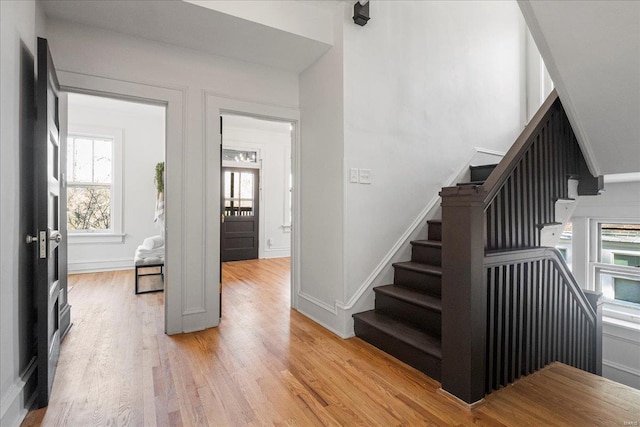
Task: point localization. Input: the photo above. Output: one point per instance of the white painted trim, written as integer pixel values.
(489, 151)
(622, 177)
(93, 238)
(175, 99)
(12, 410)
(295, 215)
(215, 105)
(326, 319)
(277, 254)
(622, 368)
(97, 265)
(328, 307)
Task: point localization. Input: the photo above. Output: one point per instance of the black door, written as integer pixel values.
(49, 251)
(239, 219)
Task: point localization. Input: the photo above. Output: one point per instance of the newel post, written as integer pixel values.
(464, 293)
(595, 299)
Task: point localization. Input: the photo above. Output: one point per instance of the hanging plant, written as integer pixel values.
(159, 179)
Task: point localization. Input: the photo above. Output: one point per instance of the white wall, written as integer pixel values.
(272, 140)
(20, 23)
(321, 186)
(621, 339)
(206, 84)
(143, 130)
(424, 83)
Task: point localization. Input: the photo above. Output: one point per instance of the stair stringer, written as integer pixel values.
(364, 298)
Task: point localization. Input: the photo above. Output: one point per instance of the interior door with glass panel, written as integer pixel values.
(239, 218)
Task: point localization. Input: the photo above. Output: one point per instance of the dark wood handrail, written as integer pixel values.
(505, 168)
(496, 258)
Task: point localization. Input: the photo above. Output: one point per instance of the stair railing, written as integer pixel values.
(509, 306)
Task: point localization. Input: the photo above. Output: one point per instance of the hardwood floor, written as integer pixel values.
(269, 365)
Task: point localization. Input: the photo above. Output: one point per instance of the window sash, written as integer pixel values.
(605, 269)
(72, 139)
(115, 233)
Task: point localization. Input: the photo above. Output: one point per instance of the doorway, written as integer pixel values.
(115, 149)
(256, 189)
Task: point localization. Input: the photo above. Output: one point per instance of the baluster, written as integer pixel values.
(491, 335)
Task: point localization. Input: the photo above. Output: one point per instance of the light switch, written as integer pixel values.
(353, 175)
(365, 176)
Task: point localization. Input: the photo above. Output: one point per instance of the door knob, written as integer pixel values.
(31, 239)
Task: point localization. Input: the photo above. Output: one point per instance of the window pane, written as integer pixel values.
(231, 207)
(620, 244)
(246, 185)
(82, 160)
(102, 153)
(70, 142)
(239, 156)
(564, 245)
(626, 290)
(246, 208)
(227, 184)
(89, 208)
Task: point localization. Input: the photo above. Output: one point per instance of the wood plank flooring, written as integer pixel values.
(269, 365)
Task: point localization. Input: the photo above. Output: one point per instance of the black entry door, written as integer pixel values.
(239, 219)
(48, 240)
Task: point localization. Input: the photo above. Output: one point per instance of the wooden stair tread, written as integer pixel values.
(402, 331)
(419, 268)
(432, 243)
(411, 296)
(470, 183)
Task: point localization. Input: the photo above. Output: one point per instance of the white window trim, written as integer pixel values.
(286, 221)
(116, 234)
(618, 313)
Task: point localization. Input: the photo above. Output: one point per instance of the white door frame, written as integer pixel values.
(174, 101)
(216, 105)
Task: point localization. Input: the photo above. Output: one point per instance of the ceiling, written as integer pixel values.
(592, 51)
(195, 27)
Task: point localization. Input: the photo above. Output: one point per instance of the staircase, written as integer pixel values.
(486, 299)
(406, 320)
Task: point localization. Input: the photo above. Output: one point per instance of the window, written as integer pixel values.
(94, 169)
(565, 244)
(89, 183)
(239, 194)
(618, 266)
(239, 156)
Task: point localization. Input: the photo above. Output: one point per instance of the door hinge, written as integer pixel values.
(221, 218)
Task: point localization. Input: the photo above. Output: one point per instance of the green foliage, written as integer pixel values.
(159, 179)
(89, 208)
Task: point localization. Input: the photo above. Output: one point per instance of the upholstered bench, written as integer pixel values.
(149, 255)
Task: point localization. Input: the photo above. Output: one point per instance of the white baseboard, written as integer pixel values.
(94, 266)
(14, 404)
(311, 309)
(276, 253)
(621, 373)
